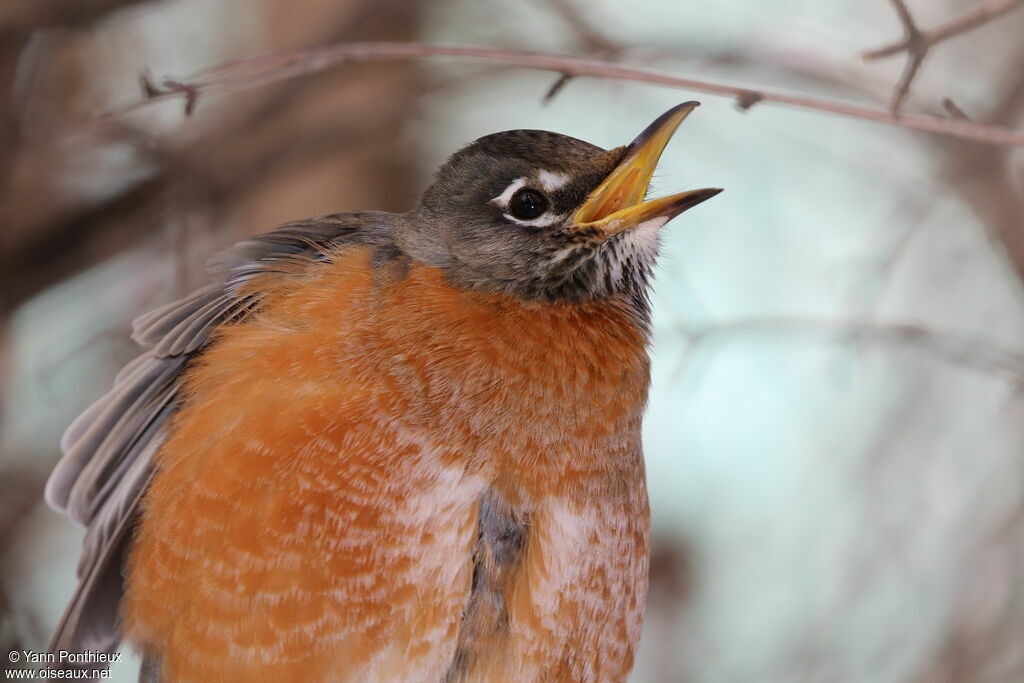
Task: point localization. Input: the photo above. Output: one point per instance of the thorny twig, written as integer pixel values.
(917, 43)
(258, 71)
(953, 109)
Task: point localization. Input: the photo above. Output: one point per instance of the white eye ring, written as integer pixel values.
(505, 197)
(541, 222)
(548, 218)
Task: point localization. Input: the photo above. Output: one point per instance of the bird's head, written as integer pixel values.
(548, 217)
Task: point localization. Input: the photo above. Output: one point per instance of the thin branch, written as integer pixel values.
(978, 17)
(259, 71)
(917, 43)
(952, 347)
(917, 50)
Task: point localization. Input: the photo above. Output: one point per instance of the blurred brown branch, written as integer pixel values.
(259, 71)
(322, 126)
(983, 176)
(20, 492)
(917, 43)
(27, 16)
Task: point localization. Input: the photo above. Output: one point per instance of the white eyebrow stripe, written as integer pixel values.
(503, 199)
(552, 180)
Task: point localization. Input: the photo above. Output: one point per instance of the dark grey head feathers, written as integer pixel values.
(499, 217)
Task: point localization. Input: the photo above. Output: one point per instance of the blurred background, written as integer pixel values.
(835, 438)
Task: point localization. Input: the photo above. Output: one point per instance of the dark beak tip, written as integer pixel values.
(699, 197)
(661, 122)
(686, 107)
(704, 195)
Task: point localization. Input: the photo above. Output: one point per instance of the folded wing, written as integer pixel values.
(108, 450)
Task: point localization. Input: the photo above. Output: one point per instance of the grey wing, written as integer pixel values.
(108, 450)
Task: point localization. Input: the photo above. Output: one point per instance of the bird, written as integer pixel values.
(390, 446)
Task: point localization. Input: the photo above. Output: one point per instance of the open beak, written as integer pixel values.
(618, 202)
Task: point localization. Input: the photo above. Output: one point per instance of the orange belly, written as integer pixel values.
(316, 503)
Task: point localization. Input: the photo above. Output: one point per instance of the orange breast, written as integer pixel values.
(315, 508)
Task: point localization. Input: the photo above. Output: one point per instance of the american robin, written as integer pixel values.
(393, 447)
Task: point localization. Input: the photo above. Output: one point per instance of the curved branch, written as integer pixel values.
(258, 71)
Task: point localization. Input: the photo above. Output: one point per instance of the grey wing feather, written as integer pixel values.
(127, 412)
(108, 450)
(149, 328)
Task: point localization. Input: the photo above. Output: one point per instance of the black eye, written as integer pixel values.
(527, 204)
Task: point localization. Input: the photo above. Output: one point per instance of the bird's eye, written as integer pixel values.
(527, 204)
